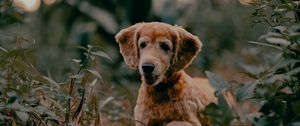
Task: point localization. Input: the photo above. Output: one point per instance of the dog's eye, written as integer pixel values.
(143, 45)
(164, 47)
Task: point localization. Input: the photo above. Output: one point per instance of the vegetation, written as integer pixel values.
(275, 86)
(53, 69)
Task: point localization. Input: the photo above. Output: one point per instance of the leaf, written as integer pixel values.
(267, 121)
(3, 49)
(13, 53)
(282, 29)
(94, 82)
(21, 66)
(76, 61)
(101, 54)
(41, 109)
(294, 72)
(294, 35)
(106, 101)
(82, 48)
(12, 99)
(226, 110)
(22, 115)
(43, 79)
(265, 44)
(277, 78)
(282, 63)
(217, 81)
(51, 81)
(90, 46)
(252, 71)
(76, 76)
(278, 41)
(245, 91)
(95, 73)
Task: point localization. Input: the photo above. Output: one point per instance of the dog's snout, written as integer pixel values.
(148, 68)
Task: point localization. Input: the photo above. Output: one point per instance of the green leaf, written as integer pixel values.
(252, 71)
(77, 61)
(217, 81)
(12, 53)
(294, 35)
(82, 48)
(90, 46)
(3, 49)
(225, 108)
(265, 44)
(21, 66)
(245, 91)
(278, 41)
(295, 71)
(101, 54)
(22, 115)
(267, 121)
(12, 99)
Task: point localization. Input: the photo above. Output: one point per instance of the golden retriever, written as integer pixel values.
(167, 96)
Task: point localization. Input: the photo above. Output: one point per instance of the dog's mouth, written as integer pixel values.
(150, 79)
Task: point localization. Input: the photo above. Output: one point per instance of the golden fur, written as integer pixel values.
(167, 96)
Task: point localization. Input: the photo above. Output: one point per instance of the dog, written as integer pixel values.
(167, 95)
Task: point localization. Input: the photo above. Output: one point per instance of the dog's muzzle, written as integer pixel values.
(148, 69)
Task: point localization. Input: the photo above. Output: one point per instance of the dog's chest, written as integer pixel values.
(161, 113)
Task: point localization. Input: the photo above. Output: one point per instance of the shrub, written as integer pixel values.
(29, 98)
(276, 86)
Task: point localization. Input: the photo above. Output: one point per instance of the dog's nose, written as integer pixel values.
(148, 68)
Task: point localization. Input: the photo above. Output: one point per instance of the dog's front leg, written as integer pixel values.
(140, 116)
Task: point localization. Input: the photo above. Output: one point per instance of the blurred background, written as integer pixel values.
(54, 28)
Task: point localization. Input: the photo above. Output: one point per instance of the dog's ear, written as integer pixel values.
(127, 39)
(186, 48)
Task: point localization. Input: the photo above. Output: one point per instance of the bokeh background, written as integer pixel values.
(55, 28)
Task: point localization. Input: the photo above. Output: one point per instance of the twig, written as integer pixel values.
(67, 117)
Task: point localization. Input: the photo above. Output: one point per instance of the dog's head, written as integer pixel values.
(157, 48)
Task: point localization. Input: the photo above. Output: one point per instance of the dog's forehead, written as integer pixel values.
(154, 31)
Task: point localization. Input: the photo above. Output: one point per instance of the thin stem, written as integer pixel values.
(72, 82)
(67, 117)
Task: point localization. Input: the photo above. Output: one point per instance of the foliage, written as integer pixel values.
(276, 86)
(29, 98)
